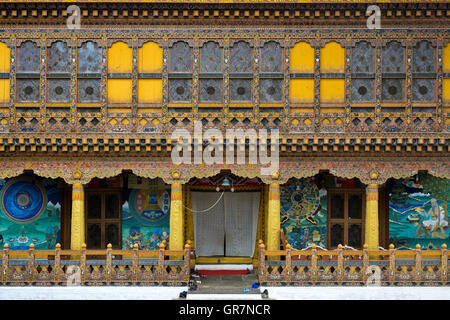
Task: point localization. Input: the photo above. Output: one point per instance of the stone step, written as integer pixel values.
(226, 284)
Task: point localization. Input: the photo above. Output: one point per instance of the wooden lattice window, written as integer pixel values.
(346, 214)
(103, 219)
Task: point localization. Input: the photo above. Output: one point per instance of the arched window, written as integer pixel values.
(180, 61)
(424, 67)
(271, 70)
(363, 75)
(150, 65)
(241, 68)
(393, 81)
(58, 72)
(89, 68)
(211, 77)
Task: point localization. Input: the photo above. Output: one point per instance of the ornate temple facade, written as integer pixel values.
(88, 112)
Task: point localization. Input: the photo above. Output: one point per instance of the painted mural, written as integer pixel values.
(30, 213)
(418, 212)
(304, 213)
(145, 217)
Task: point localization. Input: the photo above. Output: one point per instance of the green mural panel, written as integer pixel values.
(418, 212)
(145, 217)
(30, 213)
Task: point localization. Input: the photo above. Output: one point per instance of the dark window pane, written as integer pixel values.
(28, 57)
(211, 57)
(354, 235)
(392, 89)
(362, 58)
(88, 90)
(89, 58)
(210, 90)
(424, 89)
(28, 90)
(337, 235)
(270, 90)
(94, 203)
(271, 57)
(58, 57)
(424, 57)
(58, 90)
(180, 57)
(112, 234)
(180, 90)
(337, 206)
(94, 236)
(355, 206)
(241, 89)
(362, 90)
(112, 206)
(241, 58)
(393, 57)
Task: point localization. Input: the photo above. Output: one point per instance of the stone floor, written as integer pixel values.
(225, 284)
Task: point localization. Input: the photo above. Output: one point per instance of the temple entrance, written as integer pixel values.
(225, 223)
(225, 213)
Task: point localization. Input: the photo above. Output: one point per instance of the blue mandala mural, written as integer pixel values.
(145, 218)
(23, 199)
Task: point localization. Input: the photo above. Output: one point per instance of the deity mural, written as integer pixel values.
(417, 216)
(30, 213)
(304, 213)
(145, 218)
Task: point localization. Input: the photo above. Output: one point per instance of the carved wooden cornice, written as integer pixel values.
(290, 12)
(83, 169)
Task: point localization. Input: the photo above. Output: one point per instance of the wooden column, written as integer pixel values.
(176, 238)
(273, 217)
(77, 225)
(371, 225)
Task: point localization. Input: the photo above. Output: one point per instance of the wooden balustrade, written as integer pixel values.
(315, 266)
(95, 267)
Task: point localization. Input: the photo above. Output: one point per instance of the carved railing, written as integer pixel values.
(350, 267)
(95, 267)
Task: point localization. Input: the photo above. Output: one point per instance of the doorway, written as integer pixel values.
(225, 223)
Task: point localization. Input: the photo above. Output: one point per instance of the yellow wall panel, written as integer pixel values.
(4, 90)
(302, 58)
(120, 58)
(332, 91)
(332, 58)
(150, 58)
(446, 58)
(5, 55)
(301, 90)
(149, 90)
(119, 90)
(446, 91)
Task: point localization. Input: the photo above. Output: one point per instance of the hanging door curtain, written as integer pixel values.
(227, 229)
(209, 230)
